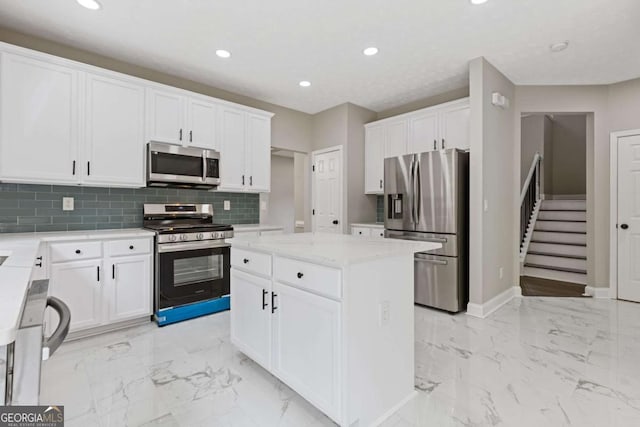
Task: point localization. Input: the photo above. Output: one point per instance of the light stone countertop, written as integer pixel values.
(368, 224)
(15, 272)
(247, 228)
(332, 250)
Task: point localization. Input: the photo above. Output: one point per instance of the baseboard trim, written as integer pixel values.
(484, 310)
(597, 292)
(395, 408)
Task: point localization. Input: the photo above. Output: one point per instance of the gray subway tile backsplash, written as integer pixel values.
(27, 207)
(380, 208)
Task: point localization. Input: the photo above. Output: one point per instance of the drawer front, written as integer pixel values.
(254, 262)
(315, 278)
(361, 231)
(128, 247)
(377, 232)
(62, 252)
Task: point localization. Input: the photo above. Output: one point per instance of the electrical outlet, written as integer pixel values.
(263, 205)
(67, 203)
(385, 313)
(501, 273)
(227, 205)
(486, 205)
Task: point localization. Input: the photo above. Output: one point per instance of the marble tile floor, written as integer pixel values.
(535, 362)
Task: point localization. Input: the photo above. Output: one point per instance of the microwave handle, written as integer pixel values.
(204, 166)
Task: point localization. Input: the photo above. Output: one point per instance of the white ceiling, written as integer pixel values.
(425, 45)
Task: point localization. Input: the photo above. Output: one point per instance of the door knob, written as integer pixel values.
(335, 222)
(624, 226)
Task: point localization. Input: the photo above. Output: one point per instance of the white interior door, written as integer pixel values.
(629, 218)
(327, 191)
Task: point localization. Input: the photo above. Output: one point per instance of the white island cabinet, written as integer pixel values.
(331, 316)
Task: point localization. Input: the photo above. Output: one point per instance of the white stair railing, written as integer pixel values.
(529, 199)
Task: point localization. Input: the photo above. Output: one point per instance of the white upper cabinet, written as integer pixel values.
(63, 122)
(245, 150)
(395, 142)
(113, 132)
(166, 116)
(435, 128)
(39, 124)
(202, 124)
(454, 126)
(423, 132)
(232, 149)
(258, 152)
(374, 159)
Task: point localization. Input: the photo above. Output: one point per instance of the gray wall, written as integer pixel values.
(532, 137)
(494, 181)
(290, 129)
(28, 208)
(624, 105)
(567, 160)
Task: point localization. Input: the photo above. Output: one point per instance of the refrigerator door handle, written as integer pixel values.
(412, 184)
(418, 196)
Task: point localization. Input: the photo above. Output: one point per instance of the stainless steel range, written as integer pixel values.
(192, 261)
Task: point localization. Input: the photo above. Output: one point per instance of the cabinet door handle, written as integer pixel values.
(435, 145)
(180, 134)
(78, 251)
(246, 261)
(264, 298)
(190, 136)
(380, 183)
(242, 179)
(73, 168)
(443, 143)
(88, 168)
(113, 271)
(300, 274)
(251, 180)
(273, 302)
(131, 247)
(98, 273)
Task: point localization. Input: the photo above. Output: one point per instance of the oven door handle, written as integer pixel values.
(189, 246)
(204, 166)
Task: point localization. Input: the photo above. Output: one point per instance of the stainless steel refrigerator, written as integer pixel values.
(426, 198)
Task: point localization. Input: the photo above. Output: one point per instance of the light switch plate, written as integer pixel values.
(227, 205)
(67, 203)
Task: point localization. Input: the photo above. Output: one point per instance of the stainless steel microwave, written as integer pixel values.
(170, 165)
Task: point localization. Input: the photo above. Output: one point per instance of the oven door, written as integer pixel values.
(191, 271)
(174, 164)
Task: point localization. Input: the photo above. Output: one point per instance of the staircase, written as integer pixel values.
(558, 246)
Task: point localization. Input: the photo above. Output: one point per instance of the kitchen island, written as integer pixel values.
(331, 316)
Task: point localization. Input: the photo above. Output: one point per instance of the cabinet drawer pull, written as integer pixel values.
(264, 298)
(273, 302)
(300, 274)
(131, 247)
(78, 251)
(246, 261)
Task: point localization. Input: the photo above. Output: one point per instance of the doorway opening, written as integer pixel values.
(553, 209)
(286, 204)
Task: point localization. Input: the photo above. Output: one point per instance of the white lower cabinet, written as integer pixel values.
(104, 289)
(306, 345)
(127, 296)
(251, 316)
(77, 284)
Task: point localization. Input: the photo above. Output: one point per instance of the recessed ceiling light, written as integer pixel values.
(559, 47)
(223, 53)
(478, 1)
(89, 4)
(305, 83)
(370, 51)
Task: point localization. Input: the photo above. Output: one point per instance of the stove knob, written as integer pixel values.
(199, 236)
(172, 237)
(220, 235)
(183, 237)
